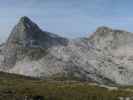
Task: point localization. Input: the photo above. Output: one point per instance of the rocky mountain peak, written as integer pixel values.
(100, 33)
(103, 29)
(106, 30)
(24, 19)
(26, 24)
(27, 39)
(106, 37)
(24, 31)
(27, 33)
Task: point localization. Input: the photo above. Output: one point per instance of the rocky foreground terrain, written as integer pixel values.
(106, 57)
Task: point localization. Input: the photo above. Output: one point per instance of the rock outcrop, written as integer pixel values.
(27, 38)
(106, 57)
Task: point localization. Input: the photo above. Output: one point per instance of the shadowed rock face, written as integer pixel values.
(25, 37)
(26, 33)
(105, 57)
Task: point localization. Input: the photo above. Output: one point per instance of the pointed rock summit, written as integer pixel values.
(26, 21)
(26, 33)
(27, 39)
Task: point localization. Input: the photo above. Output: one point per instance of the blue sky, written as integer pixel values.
(70, 18)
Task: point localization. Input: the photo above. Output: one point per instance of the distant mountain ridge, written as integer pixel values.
(106, 57)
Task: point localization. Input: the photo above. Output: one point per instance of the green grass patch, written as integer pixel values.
(16, 86)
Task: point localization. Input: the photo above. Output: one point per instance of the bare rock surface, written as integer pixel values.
(105, 57)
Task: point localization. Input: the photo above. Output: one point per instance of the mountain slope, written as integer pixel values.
(25, 39)
(15, 87)
(105, 57)
(116, 48)
(28, 34)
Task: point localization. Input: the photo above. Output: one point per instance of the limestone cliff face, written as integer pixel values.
(105, 57)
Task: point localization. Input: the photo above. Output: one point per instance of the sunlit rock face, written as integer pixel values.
(105, 57)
